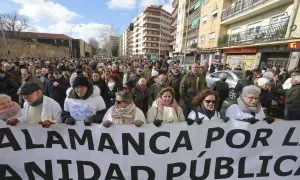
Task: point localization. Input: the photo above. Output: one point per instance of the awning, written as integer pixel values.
(195, 22)
(197, 4)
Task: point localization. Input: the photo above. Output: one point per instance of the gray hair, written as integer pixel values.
(142, 81)
(254, 90)
(296, 78)
(5, 96)
(223, 75)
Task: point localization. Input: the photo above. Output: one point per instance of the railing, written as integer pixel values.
(193, 46)
(241, 6)
(193, 32)
(260, 34)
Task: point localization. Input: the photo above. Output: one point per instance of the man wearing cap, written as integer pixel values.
(83, 103)
(57, 87)
(38, 109)
(124, 111)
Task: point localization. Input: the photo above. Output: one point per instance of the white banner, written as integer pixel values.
(213, 150)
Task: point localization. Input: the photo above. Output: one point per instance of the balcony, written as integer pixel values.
(192, 33)
(263, 34)
(244, 9)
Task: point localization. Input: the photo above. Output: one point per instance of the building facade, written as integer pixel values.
(151, 35)
(258, 32)
(124, 43)
(174, 17)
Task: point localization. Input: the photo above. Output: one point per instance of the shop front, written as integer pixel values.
(243, 57)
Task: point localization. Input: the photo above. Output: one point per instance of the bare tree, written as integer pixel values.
(108, 48)
(95, 45)
(14, 23)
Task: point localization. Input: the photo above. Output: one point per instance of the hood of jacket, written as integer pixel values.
(92, 91)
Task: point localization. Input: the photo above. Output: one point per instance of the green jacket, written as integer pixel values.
(293, 98)
(188, 88)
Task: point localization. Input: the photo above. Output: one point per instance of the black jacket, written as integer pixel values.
(58, 93)
(175, 83)
(293, 103)
(241, 84)
(103, 88)
(140, 98)
(10, 87)
(222, 89)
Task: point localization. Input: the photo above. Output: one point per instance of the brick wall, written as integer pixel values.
(19, 48)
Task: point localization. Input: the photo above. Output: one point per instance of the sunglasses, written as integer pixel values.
(209, 101)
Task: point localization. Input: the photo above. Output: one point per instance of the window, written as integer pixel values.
(212, 36)
(214, 14)
(202, 39)
(280, 19)
(204, 20)
(205, 1)
(253, 28)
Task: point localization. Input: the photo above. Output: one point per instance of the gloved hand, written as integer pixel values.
(70, 121)
(269, 119)
(46, 123)
(157, 122)
(226, 119)
(107, 124)
(189, 121)
(12, 122)
(138, 123)
(252, 120)
(88, 122)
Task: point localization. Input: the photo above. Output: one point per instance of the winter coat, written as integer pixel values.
(175, 83)
(193, 116)
(265, 98)
(10, 87)
(293, 103)
(50, 111)
(222, 89)
(188, 88)
(153, 92)
(241, 84)
(92, 106)
(168, 115)
(139, 115)
(140, 98)
(103, 89)
(58, 93)
(33, 79)
(234, 111)
(132, 80)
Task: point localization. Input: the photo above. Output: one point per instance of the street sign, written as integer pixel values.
(294, 45)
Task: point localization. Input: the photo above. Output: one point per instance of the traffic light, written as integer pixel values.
(131, 27)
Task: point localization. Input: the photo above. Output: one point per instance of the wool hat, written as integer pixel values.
(81, 81)
(123, 96)
(28, 88)
(154, 73)
(262, 81)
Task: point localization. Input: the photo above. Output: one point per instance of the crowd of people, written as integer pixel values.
(127, 91)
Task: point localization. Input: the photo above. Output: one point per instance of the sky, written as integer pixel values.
(81, 18)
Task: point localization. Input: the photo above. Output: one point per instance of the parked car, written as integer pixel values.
(232, 79)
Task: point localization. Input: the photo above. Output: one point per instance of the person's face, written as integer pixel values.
(44, 71)
(56, 75)
(24, 75)
(96, 77)
(195, 68)
(209, 102)
(31, 98)
(122, 104)
(5, 103)
(81, 90)
(162, 79)
(167, 97)
(251, 100)
(266, 86)
(85, 74)
(6, 68)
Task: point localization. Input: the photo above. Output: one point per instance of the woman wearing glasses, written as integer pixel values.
(124, 111)
(165, 109)
(248, 107)
(205, 103)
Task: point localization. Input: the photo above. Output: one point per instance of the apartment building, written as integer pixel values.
(180, 43)
(151, 35)
(258, 32)
(124, 44)
(191, 32)
(174, 17)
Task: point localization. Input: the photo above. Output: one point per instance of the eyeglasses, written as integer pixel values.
(210, 101)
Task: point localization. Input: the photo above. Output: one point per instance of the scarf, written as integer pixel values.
(247, 109)
(124, 115)
(37, 102)
(207, 112)
(10, 112)
(161, 103)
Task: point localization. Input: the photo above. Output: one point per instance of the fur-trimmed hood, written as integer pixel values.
(96, 91)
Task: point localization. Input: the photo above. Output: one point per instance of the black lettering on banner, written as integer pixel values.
(65, 169)
(226, 166)
(138, 147)
(170, 170)
(136, 169)
(87, 136)
(114, 168)
(152, 142)
(287, 138)
(31, 167)
(80, 170)
(12, 142)
(59, 140)
(242, 173)
(277, 165)
(205, 173)
(263, 139)
(297, 173)
(210, 138)
(183, 135)
(264, 166)
(29, 143)
(4, 169)
(232, 133)
(111, 145)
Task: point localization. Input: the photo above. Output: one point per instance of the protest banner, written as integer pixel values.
(212, 150)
